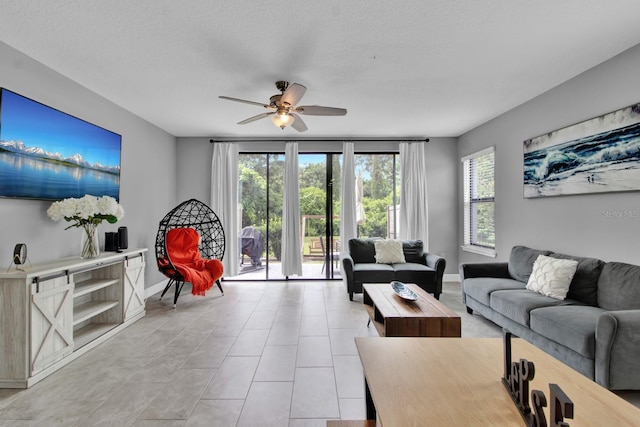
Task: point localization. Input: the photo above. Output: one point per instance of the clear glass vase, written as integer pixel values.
(90, 245)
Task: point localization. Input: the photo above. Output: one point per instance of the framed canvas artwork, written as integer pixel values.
(595, 156)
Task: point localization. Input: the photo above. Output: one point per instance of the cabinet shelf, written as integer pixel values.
(90, 309)
(374, 316)
(91, 285)
(90, 332)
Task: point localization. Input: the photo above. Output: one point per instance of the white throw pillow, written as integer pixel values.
(389, 251)
(552, 276)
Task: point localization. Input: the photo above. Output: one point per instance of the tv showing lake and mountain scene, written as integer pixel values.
(50, 155)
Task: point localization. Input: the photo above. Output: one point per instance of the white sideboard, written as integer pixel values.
(52, 313)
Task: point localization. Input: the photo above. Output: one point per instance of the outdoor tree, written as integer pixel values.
(313, 175)
(376, 223)
(313, 202)
(253, 197)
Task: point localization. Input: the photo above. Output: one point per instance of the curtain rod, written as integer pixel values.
(322, 140)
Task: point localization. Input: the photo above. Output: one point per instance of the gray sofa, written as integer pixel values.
(595, 330)
(422, 268)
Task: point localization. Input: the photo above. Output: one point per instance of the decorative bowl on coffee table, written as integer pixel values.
(403, 291)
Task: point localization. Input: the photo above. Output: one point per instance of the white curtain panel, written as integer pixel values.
(361, 217)
(291, 240)
(348, 227)
(224, 200)
(414, 208)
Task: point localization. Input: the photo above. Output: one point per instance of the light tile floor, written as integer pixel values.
(264, 354)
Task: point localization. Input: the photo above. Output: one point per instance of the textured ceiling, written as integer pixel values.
(410, 68)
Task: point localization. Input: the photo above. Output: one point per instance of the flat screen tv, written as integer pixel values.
(50, 155)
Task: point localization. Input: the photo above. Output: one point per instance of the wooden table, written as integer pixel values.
(394, 316)
(457, 382)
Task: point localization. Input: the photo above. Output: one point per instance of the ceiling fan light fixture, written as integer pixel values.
(284, 107)
(282, 119)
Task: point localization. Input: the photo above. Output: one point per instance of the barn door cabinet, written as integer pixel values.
(53, 313)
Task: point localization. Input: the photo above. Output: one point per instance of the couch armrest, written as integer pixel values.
(484, 269)
(347, 270)
(438, 264)
(617, 364)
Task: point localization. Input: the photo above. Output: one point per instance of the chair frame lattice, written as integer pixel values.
(189, 214)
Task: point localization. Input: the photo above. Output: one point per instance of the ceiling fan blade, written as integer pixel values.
(261, 104)
(298, 123)
(293, 94)
(254, 118)
(316, 110)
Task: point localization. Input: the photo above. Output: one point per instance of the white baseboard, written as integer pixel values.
(451, 278)
(154, 289)
(158, 287)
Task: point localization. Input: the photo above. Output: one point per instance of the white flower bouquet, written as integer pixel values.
(87, 212)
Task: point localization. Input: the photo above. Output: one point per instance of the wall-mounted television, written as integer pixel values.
(50, 155)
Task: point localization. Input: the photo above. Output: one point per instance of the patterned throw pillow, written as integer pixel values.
(389, 251)
(552, 276)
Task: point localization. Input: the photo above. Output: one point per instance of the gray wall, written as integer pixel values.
(193, 165)
(194, 174)
(442, 182)
(605, 226)
(148, 178)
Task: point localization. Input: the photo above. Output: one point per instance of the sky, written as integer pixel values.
(37, 125)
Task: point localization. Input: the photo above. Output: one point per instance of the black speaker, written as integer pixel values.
(123, 238)
(111, 241)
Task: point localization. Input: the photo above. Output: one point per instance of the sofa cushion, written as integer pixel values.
(373, 273)
(389, 251)
(584, 286)
(552, 276)
(516, 304)
(411, 272)
(362, 250)
(413, 250)
(619, 286)
(521, 262)
(573, 326)
(480, 288)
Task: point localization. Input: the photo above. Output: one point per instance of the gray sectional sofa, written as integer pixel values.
(422, 268)
(595, 330)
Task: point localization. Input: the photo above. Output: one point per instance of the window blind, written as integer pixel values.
(479, 194)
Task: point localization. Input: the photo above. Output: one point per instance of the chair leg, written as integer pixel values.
(166, 288)
(179, 285)
(219, 286)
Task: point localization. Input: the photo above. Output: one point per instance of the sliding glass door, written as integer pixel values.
(377, 195)
(260, 215)
(260, 210)
(320, 215)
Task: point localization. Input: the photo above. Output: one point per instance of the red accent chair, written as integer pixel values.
(189, 248)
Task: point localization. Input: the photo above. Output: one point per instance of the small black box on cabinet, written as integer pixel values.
(110, 242)
(123, 238)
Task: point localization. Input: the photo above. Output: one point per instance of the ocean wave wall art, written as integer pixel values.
(595, 156)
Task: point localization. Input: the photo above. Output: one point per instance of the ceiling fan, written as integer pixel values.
(285, 112)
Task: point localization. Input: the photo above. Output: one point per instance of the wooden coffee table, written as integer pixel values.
(394, 316)
(457, 382)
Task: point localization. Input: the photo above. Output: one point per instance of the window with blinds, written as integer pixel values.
(479, 193)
